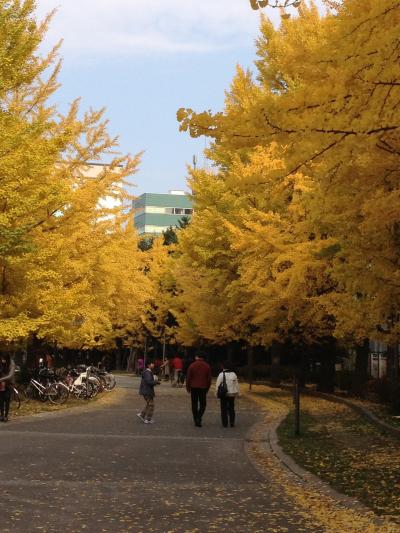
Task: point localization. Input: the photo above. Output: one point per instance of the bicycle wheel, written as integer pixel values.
(32, 393)
(16, 398)
(79, 391)
(111, 382)
(95, 386)
(90, 390)
(57, 393)
(103, 383)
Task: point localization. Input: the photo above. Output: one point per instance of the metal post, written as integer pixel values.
(250, 364)
(163, 349)
(145, 353)
(370, 363)
(296, 400)
(87, 381)
(162, 374)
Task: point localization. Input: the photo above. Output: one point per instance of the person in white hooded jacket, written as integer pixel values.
(228, 401)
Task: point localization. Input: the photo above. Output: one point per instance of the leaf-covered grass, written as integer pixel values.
(343, 449)
(382, 411)
(32, 407)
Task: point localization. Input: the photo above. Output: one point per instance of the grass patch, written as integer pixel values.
(343, 449)
(32, 407)
(384, 412)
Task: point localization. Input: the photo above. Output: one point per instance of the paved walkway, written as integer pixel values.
(102, 470)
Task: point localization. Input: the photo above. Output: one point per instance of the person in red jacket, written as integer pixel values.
(177, 366)
(198, 382)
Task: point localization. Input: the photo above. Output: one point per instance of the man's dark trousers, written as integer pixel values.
(199, 403)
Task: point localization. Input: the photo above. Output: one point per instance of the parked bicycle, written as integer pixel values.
(84, 382)
(48, 388)
(79, 386)
(89, 380)
(16, 397)
(107, 380)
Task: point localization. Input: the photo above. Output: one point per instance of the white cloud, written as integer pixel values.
(129, 27)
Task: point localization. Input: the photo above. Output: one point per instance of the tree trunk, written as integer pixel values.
(229, 354)
(393, 364)
(34, 350)
(327, 353)
(130, 364)
(393, 376)
(361, 371)
(250, 365)
(276, 350)
(302, 366)
(119, 353)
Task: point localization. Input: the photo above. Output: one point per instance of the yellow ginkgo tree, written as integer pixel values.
(69, 265)
(316, 228)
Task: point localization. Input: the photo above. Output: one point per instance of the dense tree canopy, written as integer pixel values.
(70, 270)
(295, 232)
(303, 202)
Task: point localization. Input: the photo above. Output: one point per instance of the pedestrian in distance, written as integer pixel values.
(146, 389)
(157, 366)
(7, 371)
(50, 361)
(140, 366)
(187, 361)
(177, 365)
(227, 389)
(198, 383)
(165, 369)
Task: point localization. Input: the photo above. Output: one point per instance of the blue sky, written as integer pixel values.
(142, 60)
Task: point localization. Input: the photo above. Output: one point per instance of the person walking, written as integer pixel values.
(140, 366)
(227, 400)
(7, 371)
(198, 383)
(146, 389)
(157, 366)
(187, 361)
(177, 366)
(164, 368)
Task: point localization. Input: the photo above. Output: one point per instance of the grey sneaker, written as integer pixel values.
(149, 421)
(139, 415)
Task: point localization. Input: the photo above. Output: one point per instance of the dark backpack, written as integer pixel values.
(222, 388)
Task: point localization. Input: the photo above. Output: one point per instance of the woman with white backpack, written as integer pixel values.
(227, 389)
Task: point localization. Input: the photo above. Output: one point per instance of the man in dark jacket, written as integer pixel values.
(146, 389)
(198, 382)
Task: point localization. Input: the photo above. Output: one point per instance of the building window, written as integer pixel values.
(153, 209)
(178, 211)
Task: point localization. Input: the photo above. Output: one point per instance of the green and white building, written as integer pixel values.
(154, 213)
